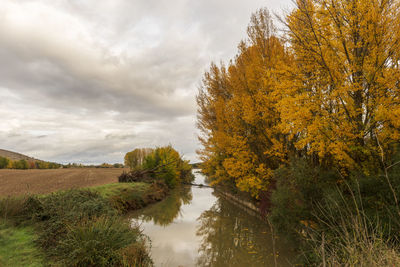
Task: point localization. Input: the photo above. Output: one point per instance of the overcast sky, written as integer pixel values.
(88, 80)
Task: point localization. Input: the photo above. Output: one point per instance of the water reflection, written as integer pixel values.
(196, 227)
(165, 212)
(230, 237)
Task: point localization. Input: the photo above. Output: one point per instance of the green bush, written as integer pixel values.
(168, 166)
(118, 165)
(299, 186)
(57, 210)
(132, 199)
(101, 242)
(4, 162)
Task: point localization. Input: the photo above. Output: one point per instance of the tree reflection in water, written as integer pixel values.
(232, 238)
(164, 212)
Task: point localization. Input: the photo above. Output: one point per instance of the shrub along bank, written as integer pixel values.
(163, 164)
(80, 227)
(338, 222)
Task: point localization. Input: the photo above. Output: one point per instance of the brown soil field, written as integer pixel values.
(20, 182)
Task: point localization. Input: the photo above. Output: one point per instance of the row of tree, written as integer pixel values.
(103, 165)
(326, 90)
(6, 163)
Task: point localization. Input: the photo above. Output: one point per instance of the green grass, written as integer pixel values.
(110, 190)
(17, 246)
(130, 196)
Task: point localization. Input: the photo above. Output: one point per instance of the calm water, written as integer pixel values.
(196, 227)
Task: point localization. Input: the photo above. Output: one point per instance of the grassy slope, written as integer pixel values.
(17, 247)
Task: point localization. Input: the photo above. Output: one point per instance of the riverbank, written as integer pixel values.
(78, 227)
(248, 206)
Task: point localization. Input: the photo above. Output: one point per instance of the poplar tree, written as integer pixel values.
(342, 97)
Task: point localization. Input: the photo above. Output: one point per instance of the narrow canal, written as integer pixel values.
(195, 226)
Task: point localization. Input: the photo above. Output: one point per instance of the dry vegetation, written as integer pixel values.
(19, 182)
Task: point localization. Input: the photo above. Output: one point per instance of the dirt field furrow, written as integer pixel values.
(19, 182)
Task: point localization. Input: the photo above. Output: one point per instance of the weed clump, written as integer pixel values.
(104, 241)
(58, 210)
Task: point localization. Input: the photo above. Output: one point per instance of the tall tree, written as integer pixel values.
(342, 99)
(237, 111)
(135, 158)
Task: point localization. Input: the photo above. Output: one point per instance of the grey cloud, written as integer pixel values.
(11, 135)
(120, 136)
(87, 81)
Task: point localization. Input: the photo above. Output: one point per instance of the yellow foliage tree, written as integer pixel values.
(238, 115)
(330, 94)
(342, 96)
(135, 158)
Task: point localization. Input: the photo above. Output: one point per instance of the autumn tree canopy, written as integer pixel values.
(343, 95)
(238, 113)
(326, 90)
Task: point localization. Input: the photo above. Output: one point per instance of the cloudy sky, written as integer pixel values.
(87, 80)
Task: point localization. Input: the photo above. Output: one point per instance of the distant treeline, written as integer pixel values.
(22, 164)
(103, 165)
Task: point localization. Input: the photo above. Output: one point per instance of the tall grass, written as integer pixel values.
(103, 242)
(336, 220)
(12, 209)
(56, 211)
(346, 236)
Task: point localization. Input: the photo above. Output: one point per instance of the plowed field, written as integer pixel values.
(19, 182)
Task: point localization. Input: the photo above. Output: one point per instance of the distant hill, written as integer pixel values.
(15, 156)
